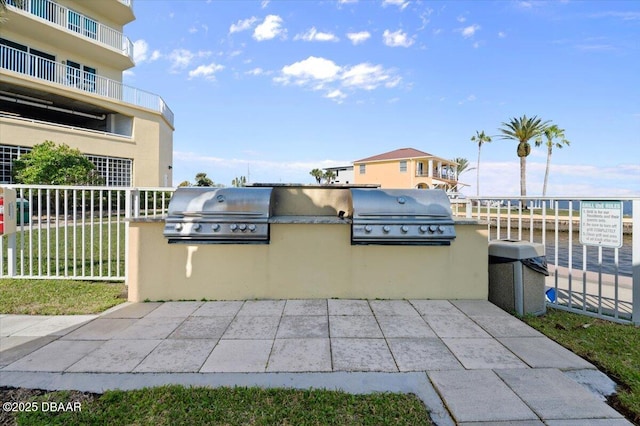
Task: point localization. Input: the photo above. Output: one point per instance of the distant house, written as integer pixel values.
(344, 174)
(407, 168)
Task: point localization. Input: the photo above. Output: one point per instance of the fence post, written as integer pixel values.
(635, 262)
(129, 207)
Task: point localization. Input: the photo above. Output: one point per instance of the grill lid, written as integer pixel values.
(402, 216)
(218, 215)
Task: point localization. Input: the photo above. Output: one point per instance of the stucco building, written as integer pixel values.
(406, 168)
(61, 67)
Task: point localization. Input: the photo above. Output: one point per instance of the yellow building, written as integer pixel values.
(406, 168)
(61, 65)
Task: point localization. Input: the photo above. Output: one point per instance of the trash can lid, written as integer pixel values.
(515, 249)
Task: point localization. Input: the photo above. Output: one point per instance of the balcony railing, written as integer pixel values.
(76, 22)
(437, 175)
(55, 72)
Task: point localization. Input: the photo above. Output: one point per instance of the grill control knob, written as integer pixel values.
(196, 226)
(243, 227)
(368, 228)
(432, 229)
(252, 228)
(386, 229)
(404, 229)
(423, 228)
(441, 229)
(215, 227)
(233, 227)
(178, 227)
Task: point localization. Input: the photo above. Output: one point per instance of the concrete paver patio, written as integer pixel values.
(469, 361)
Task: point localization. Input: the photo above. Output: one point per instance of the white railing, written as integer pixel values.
(596, 281)
(76, 22)
(75, 232)
(55, 72)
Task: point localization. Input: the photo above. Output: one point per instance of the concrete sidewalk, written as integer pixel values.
(469, 361)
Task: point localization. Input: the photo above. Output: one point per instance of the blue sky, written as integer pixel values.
(276, 88)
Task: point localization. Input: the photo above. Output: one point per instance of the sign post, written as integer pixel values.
(601, 223)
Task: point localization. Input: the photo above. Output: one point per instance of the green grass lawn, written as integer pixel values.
(58, 297)
(614, 348)
(178, 405)
(84, 250)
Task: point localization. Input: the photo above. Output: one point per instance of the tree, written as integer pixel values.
(463, 165)
(48, 164)
(184, 183)
(317, 174)
(329, 176)
(239, 182)
(480, 138)
(550, 133)
(522, 130)
(203, 180)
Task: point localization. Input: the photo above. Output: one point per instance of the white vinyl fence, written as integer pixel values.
(75, 232)
(79, 232)
(593, 280)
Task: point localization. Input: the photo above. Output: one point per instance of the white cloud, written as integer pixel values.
(312, 69)
(461, 19)
(502, 34)
(140, 48)
(182, 58)
(323, 74)
(368, 77)
(336, 95)
(206, 71)
(264, 3)
(270, 28)
(242, 25)
(315, 35)
(256, 71)
(470, 30)
(400, 3)
(397, 39)
(347, 1)
(359, 37)
(190, 163)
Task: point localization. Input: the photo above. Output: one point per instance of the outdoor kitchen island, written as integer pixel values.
(306, 242)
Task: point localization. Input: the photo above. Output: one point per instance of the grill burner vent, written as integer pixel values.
(402, 217)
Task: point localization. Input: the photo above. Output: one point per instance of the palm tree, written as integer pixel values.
(480, 138)
(522, 130)
(463, 165)
(329, 176)
(551, 132)
(317, 174)
(239, 181)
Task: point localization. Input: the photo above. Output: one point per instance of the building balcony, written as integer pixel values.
(445, 175)
(74, 79)
(73, 26)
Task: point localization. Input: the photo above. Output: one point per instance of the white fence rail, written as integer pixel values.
(593, 280)
(75, 232)
(81, 233)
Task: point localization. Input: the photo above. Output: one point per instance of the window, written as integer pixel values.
(83, 80)
(115, 171)
(403, 166)
(363, 169)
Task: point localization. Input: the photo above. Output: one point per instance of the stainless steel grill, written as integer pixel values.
(402, 217)
(218, 215)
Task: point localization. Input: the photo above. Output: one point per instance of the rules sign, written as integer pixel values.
(601, 223)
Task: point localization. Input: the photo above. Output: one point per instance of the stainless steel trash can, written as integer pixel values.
(517, 271)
